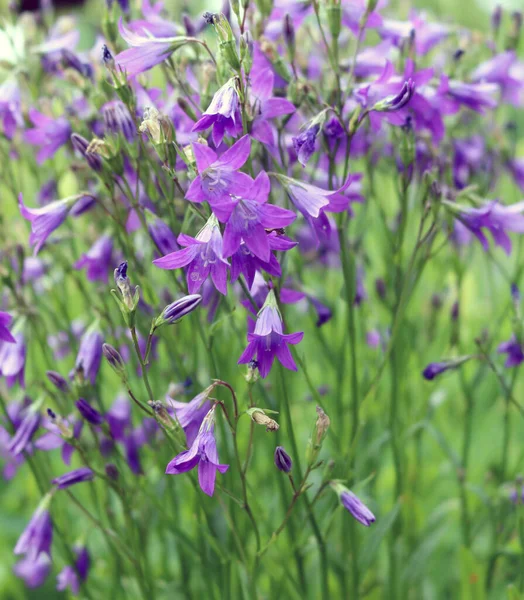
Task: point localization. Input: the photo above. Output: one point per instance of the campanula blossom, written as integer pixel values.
(426, 35)
(89, 413)
(71, 577)
(25, 431)
(283, 461)
(90, 353)
(163, 237)
(219, 176)
(223, 114)
(304, 143)
(248, 217)
(498, 70)
(191, 414)
(59, 433)
(5, 334)
(73, 477)
(33, 570)
(178, 309)
(118, 120)
(81, 145)
(514, 350)
(10, 108)
(203, 452)
(357, 508)
(38, 534)
(435, 369)
(12, 360)
(48, 133)
(203, 257)
(96, 260)
(268, 340)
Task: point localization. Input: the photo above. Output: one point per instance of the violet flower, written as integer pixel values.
(118, 120)
(304, 143)
(96, 260)
(12, 360)
(203, 256)
(81, 145)
(34, 570)
(268, 341)
(219, 176)
(48, 133)
(162, 236)
(5, 334)
(60, 432)
(73, 477)
(357, 508)
(90, 353)
(435, 369)
(71, 577)
(10, 108)
(513, 348)
(38, 534)
(203, 452)
(248, 217)
(90, 414)
(25, 431)
(223, 114)
(178, 310)
(190, 415)
(283, 461)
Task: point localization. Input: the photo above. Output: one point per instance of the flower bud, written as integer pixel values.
(396, 101)
(435, 369)
(73, 477)
(260, 417)
(353, 504)
(129, 302)
(334, 18)
(177, 310)
(90, 414)
(115, 360)
(246, 51)
(253, 373)
(162, 415)
(112, 471)
(289, 36)
(81, 145)
(58, 381)
(226, 41)
(283, 461)
(65, 430)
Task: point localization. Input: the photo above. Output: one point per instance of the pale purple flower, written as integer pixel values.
(162, 236)
(357, 508)
(513, 348)
(12, 360)
(118, 120)
(476, 96)
(10, 108)
(498, 70)
(73, 477)
(34, 570)
(90, 354)
(191, 414)
(203, 452)
(81, 145)
(54, 437)
(24, 432)
(38, 534)
(219, 176)
(203, 256)
(223, 114)
(304, 143)
(5, 334)
(97, 259)
(71, 577)
(268, 340)
(48, 133)
(426, 35)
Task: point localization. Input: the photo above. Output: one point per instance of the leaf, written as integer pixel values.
(513, 593)
(471, 576)
(377, 534)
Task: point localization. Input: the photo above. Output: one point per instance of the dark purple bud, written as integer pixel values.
(357, 508)
(289, 32)
(496, 18)
(458, 54)
(90, 414)
(114, 358)
(399, 101)
(209, 18)
(380, 287)
(80, 144)
(515, 292)
(112, 471)
(283, 461)
(58, 381)
(435, 369)
(107, 57)
(304, 143)
(188, 25)
(24, 433)
(178, 309)
(73, 477)
(51, 414)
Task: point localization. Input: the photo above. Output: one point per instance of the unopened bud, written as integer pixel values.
(252, 374)
(283, 461)
(178, 309)
(162, 415)
(58, 381)
(317, 438)
(65, 430)
(115, 360)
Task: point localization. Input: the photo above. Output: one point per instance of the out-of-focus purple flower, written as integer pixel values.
(97, 259)
(373, 338)
(45, 220)
(5, 334)
(497, 218)
(34, 570)
(498, 70)
(81, 145)
(10, 107)
(516, 168)
(223, 114)
(304, 143)
(247, 219)
(163, 237)
(268, 340)
(118, 120)
(396, 101)
(476, 96)
(146, 50)
(25, 431)
(191, 414)
(60, 433)
(353, 13)
(219, 176)
(71, 577)
(292, 296)
(118, 417)
(360, 291)
(203, 256)
(58, 381)
(90, 354)
(357, 508)
(426, 35)
(48, 133)
(12, 360)
(73, 477)
(469, 156)
(513, 348)
(283, 461)
(203, 452)
(435, 369)
(90, 414)
(265, 105)
(38, 534)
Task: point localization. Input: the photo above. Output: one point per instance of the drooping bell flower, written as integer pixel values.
(90, 353)
(268, 340)
(33, 570)
(48, 133)
(25, 431)
(162, 236)
(96, 260)
(191, 414)
(38, 534)
(12, 360)
(73, 477)
(5, 334)
(223, 114)
(514, 350)
(71, 577)
(203, 452)
(219, 176)
(203, 257)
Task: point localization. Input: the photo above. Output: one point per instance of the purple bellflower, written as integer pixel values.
(268, 340)
(59, 434)
(96, 260)
(223, 114)
(283, 461)
(118, 120)
(304, 143)
(357, 508)
(25, 431)
(435, 369)
(48, 133)
(90, 353)
(73, 477)
(38, 534)
(12, 360)
(10, 108)
(163, 237)
(34, 570)
(248, 217)
(513, 348)
(191, 414)
(203, 256)
(203, 452)
(71, 577)
(219, 176)
(5, 334)
(90, 414)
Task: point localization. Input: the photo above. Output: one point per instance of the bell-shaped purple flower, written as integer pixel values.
(10, 107)
(203, 256)
(25, 431)
(48, 133)
(223, 114)
(5, 334)
(90, 354)
(162, 236)
(71, 577)
(73, 477)
(513, 348)
(191, 414)
(38, 534)
(34, 570)
(12, 360)
(203, 452)
(357, 508)
(304, 143)
(268, 341)
(96, 260)
(118, 120)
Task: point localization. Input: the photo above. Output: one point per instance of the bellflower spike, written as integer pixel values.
(12, 360)
(203, 256)
(48, 133)
(5, 334)
(223, 114)
(219, 176)
(268, 341)
(191, 414)
(73, 477)
(146, 51)
(513, 348)
(96, 260)
(71, 577)
(203, 452)
(90, 353)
